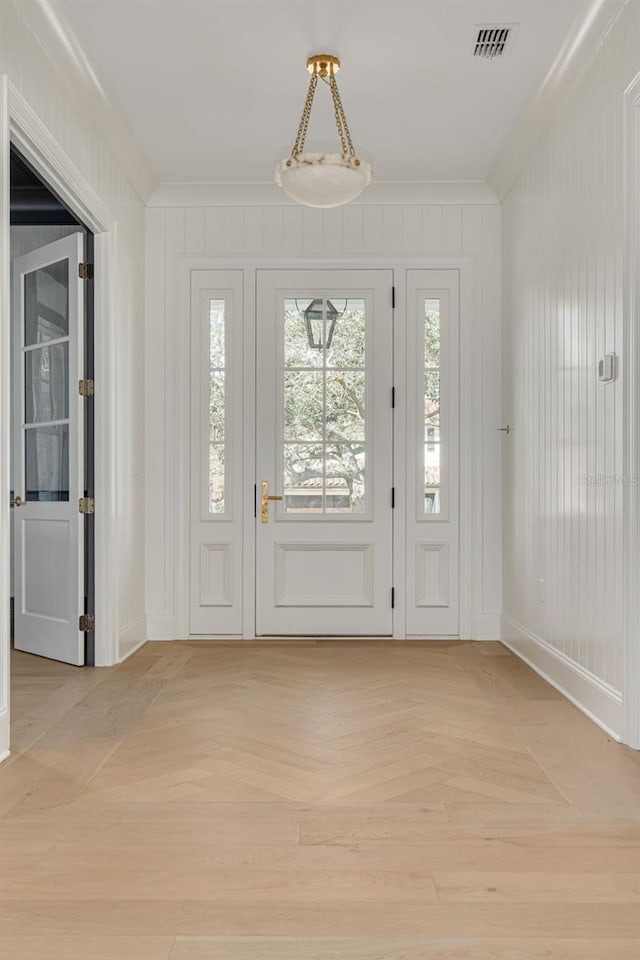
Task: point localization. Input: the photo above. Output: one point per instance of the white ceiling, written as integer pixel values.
(213, 89)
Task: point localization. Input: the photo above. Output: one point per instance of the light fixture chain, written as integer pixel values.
(301, 137)
(341, 120)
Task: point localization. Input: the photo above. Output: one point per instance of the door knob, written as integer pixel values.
(17, 502)
(264, 502)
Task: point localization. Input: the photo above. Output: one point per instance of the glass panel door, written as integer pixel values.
(324, 452)
(48, 451)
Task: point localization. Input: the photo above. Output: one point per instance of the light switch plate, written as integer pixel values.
(607, 368)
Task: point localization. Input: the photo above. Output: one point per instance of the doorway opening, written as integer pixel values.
(52, 423)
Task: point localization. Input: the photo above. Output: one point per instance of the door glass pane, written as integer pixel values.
(324, 401)
(303, 405)
(46, 302)
(347, 348)
(345, 478)
(345, 419)
(216, 334)
(46, 381)
(432, 333)
(216, 478)
(217, 407)
(302, 328)
(431, 395)
(303, 477)
(432, 405)
(432, 478)
(47, 463)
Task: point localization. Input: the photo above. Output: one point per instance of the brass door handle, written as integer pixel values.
(264, 502)
(17, 502)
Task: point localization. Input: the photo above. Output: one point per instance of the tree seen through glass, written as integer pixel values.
(217, 406)
(324, 408)
(432, 438)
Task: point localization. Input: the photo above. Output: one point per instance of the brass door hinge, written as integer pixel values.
(86, 388)
(86, 505)
(85, 271)
(87, 623)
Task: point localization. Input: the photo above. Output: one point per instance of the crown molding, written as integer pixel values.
(50, 25)
(269, 195)
(590, 22)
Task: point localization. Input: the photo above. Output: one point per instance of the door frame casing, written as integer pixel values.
(24, 129)
(470, 577)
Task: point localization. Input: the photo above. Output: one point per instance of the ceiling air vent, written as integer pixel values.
(493, 40)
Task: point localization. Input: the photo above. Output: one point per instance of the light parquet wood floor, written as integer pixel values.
(331, 800)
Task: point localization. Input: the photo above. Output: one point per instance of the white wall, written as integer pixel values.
(183, 224)
(37, 73)
(564, 223)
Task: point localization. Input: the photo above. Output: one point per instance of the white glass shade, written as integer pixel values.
(323, 179)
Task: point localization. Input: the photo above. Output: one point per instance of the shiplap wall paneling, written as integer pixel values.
(216, 236)
(290, 231)
(563, 310)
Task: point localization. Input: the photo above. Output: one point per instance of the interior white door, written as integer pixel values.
(47, 353)
(324, 445)
(432, 453)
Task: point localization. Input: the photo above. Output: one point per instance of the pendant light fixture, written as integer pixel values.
(320, 319)
(323, 179)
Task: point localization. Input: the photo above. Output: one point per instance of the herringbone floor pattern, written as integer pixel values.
(330, 800)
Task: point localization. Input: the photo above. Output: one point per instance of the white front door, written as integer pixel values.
(325, 446)
(47, 464)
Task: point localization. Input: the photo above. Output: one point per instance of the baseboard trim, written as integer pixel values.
(132, 637)
(131, 650)
(161, 626)
(487, 626)
(4, 734)
(601, 702)
(5, 755)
